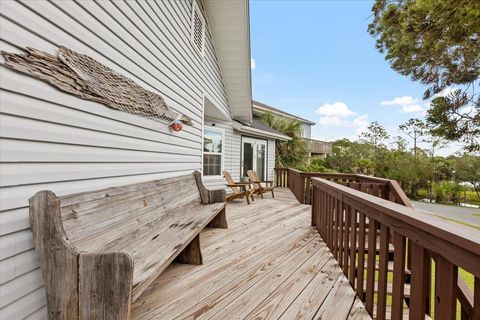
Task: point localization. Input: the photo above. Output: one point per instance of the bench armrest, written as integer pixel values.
(266, 182)
(216, 196)
(242, 183)
(209, 196)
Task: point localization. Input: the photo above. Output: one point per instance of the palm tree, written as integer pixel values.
(291, 153)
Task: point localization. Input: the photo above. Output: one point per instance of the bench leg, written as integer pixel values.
(105, 284)
(220, 220)
(192, 253)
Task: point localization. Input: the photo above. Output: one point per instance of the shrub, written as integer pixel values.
(447, 192)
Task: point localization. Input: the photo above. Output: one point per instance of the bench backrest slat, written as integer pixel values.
(94, 219)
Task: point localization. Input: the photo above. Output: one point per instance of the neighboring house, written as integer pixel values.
(195, 54)
(316, 148)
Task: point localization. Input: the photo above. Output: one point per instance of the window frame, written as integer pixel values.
(222, 154)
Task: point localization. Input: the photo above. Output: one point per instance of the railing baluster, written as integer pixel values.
(418, 294)
(382, 273)
(361, 256)
(330, 222)
(353, 244)
(476, 299)
(445, 288)
(427, 283)
(327, 215)
(346, 235)
(372, 243)
(341, 225)
(335, 229)
(324, 213)
(320, 212)
(398, 276)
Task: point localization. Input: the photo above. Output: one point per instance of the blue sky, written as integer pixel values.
(316, 59)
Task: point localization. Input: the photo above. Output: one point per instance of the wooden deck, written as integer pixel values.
(269, 264)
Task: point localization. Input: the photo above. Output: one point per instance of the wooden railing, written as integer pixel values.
(300, 183)
(373, 232)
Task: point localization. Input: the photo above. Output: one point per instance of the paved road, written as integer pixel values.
(454, 212)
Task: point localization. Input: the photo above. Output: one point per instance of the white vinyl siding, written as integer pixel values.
(271, 160)
(56, 141)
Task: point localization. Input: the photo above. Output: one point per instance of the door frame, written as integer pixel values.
(254, 139)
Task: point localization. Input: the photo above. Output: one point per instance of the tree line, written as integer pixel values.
(445, 179)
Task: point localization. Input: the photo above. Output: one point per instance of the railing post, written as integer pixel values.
(307, 189)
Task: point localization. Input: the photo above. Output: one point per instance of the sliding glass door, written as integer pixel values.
(254, 156)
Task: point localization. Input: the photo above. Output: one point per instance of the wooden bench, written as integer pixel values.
(99, 250)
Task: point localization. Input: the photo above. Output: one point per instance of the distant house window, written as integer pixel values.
(198, 29)
(213, 140)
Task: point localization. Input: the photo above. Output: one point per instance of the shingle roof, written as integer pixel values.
(257, 124)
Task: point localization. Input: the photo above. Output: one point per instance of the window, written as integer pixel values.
(198, 29)
(213, 140)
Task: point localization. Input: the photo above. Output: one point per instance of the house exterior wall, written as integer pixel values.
(233, 153)
(56, 141)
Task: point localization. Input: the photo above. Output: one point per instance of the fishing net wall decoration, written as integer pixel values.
(87, 78)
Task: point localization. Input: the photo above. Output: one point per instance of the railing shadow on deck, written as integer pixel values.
(368, 221)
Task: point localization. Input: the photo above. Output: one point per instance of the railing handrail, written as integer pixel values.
(463, 237)
(394, 187)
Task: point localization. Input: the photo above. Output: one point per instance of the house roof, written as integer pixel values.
(229, 23)
(262, 108)
(258, 128)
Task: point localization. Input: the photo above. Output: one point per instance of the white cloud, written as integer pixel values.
(252, 63)
(361, 121)
(400, 101)
(332, 121)
(408, 104)
(337, 122)
(411, 108)
(337, 109)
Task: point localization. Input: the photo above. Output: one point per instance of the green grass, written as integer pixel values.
(471, 196)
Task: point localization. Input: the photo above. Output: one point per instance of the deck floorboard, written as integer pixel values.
(269, 264)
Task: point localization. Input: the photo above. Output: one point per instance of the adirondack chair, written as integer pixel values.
(236, 188)
(257, 184)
